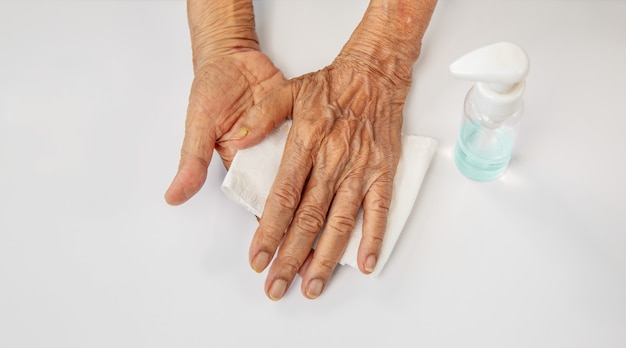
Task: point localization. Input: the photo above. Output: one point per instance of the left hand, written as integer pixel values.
(341, 154)
(342, 150)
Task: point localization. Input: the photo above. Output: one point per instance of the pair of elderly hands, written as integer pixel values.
(342, 150)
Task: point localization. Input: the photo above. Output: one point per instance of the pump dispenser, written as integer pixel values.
(493, 108)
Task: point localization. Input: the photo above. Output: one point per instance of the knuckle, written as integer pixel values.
(326, 265)
(309, 221)
(269, 239)
(379, 196)
(309, 134)
(331, 161)
(290, 264)
(287, 196)
(379, 205)
(352, 186)
(341, 226)
(373, 239)
(195, 154)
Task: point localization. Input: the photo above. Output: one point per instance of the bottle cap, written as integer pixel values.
(499, 70)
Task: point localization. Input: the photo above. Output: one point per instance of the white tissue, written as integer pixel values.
(252, 172)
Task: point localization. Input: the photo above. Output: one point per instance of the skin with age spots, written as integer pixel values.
(343, 147)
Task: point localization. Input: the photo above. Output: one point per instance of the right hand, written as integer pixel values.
(225, 86)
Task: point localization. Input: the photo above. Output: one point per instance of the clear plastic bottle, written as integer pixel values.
(492, 111)
(484, 147)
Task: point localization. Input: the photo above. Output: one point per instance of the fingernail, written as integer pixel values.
(370, 263)
(240, 134)
(260, 261)
(277, 290)
(314, 289)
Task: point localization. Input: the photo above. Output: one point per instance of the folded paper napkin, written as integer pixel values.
(253, 170)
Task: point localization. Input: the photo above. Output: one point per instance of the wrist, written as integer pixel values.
(221, 26)
(388, 39)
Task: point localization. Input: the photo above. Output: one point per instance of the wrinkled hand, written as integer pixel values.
(343, 147)
(225, 86)
(341, 154)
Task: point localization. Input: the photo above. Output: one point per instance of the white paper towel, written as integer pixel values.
(252, 172)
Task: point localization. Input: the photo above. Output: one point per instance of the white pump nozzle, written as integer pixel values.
(501, 65)
(500, 70)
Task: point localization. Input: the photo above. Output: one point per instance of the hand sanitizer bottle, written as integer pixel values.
(493, 108)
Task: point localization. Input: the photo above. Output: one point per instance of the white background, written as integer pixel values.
(92, 104)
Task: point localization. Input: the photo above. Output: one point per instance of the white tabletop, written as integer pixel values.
(92, 104)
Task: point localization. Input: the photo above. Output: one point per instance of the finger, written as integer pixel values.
(303, 230)
(282, 200)
(375, 211)
(196, 154)
(305, 265)
(261, 119)
(334, 239)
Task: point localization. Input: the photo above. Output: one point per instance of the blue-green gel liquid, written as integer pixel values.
(482, 154)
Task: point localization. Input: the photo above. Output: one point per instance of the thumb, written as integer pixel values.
(261, 119)
(195, 157)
